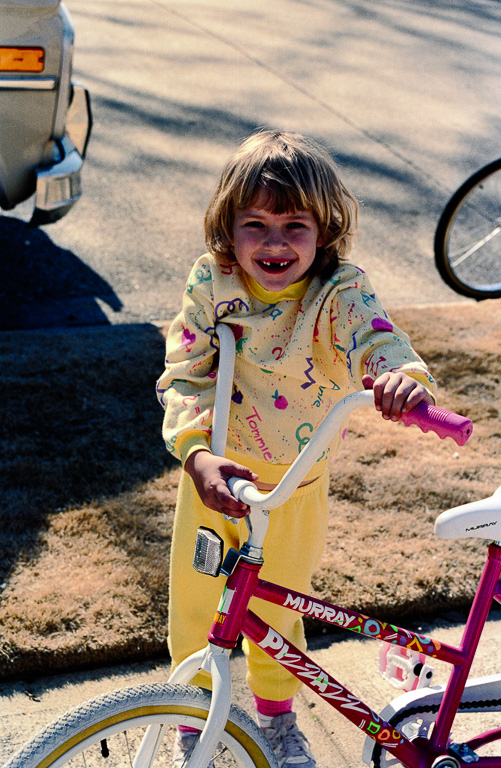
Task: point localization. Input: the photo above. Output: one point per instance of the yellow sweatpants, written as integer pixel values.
(292, 550)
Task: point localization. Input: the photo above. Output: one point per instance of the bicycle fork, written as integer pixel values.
(215, 659)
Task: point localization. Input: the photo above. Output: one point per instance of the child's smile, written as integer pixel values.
(276, 249)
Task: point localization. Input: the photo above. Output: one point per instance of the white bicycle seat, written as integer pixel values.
(479, 518)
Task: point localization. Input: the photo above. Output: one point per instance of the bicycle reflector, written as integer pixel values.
(208, 552)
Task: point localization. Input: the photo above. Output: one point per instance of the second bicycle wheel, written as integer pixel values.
(107, 732)
(468, 236)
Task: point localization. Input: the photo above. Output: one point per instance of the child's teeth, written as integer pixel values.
(271, 263)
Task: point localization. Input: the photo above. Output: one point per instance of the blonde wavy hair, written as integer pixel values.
(297, 174)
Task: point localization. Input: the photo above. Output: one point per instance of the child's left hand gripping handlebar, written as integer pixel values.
(444, 423)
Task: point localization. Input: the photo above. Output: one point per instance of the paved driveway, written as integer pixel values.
(25, 707)
(406, 93)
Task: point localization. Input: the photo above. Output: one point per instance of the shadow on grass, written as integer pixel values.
(79, 421)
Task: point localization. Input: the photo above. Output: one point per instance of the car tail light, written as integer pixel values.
(21, 59)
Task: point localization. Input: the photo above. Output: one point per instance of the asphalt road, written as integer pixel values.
(405, 93)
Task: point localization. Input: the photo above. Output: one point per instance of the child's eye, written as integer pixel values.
(295, 225)
(256, 224)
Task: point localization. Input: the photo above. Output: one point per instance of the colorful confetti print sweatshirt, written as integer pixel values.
(298, 352)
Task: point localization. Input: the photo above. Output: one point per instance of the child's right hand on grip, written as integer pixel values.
(209, 474)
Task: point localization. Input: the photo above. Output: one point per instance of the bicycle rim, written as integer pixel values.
(468, 236)
(108, 731)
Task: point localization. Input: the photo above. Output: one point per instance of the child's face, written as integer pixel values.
(276, 249)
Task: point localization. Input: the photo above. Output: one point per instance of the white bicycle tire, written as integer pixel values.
(118, 712)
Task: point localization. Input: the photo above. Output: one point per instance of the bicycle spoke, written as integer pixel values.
(128, 748)
(476, 247)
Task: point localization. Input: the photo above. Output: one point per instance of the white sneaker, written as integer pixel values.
(184, 745)
(291, 747)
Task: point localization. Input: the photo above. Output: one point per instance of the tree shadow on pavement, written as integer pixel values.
(44, 286)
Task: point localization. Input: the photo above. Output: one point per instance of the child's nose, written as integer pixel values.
(274, 239)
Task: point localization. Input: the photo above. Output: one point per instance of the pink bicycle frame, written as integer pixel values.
(234, 617)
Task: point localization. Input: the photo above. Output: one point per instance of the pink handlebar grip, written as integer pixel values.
(444, 423)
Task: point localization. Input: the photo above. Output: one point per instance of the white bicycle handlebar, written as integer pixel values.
(427, 417)
(247, 492)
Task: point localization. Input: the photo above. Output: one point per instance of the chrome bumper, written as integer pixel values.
(58, 186)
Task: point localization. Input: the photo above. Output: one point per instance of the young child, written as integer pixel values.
(308, 329)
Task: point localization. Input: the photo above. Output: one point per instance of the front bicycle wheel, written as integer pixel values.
(468, 236)
(108, 732)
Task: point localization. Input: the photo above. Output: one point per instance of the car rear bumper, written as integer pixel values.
(45, 117)
(58, 186)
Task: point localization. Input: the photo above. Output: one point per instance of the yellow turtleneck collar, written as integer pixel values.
(293, 292)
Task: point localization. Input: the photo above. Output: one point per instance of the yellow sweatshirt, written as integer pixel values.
(299, 351)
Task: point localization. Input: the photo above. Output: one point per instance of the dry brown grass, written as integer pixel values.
(87, 492)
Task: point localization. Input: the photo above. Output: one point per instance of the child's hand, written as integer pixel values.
(209, 473)
(396, 393)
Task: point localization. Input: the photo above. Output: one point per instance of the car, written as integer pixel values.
(45, 117)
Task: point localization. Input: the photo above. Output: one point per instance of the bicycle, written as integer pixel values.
(412, 731)
(467, 247)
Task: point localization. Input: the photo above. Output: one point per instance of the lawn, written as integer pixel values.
(88, 491)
